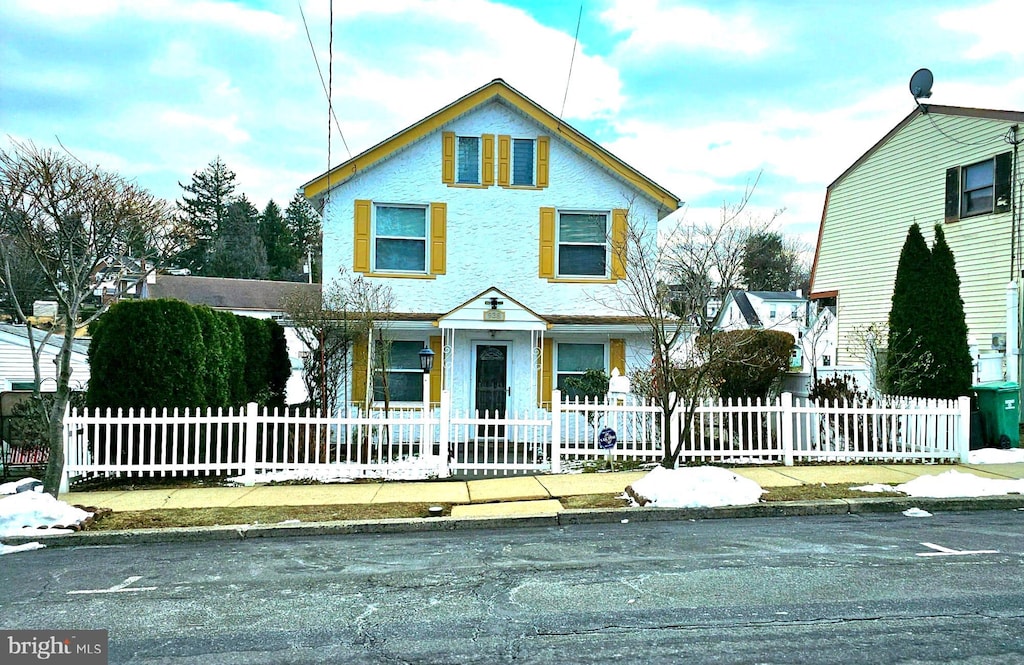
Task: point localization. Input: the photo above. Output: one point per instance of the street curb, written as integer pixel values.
(564, 518)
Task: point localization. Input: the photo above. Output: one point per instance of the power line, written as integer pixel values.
(572, 59)
(320, 72)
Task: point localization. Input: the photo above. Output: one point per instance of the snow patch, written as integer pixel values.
(26, 512)
(875, 487)
(996, 456)
(696, 487)
(956, 484)
(412, 468)
(916, 512)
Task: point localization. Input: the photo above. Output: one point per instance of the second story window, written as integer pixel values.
(583, 244)
(400, 239)
(976, 197)
(980, 188)
(467, 160)
(523, 162)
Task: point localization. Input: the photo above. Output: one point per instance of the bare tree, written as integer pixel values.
(329, 323)
(70, 217)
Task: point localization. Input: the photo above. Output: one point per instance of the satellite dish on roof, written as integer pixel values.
(921, 84)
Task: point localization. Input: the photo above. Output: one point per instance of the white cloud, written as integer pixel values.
(654, 27)
(995, 27)
(193, 126)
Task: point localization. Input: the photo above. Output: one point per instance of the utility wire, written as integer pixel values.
(925, 113)
(319, 71)
(572, 59)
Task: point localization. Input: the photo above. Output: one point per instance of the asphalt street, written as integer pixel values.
(875, 588)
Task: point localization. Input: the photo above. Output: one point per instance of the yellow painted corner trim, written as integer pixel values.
(500, 90)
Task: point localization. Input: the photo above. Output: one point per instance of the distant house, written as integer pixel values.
(261, 299)
(498, 227)
(16, 371)
(786, 311)
(943, 165)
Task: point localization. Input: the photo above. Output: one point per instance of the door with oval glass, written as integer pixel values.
(492, 389)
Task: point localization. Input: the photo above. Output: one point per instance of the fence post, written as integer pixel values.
(65, 481)
(250, 443)
(786, 428)
(963, 435)
(443, 424)
(556, 431)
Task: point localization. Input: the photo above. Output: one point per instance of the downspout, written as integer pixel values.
(1012, 332)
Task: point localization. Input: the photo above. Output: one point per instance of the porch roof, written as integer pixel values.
(492, 310)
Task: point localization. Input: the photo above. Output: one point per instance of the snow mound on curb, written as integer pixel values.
(956, 484)
(25, 513)
(694, 487)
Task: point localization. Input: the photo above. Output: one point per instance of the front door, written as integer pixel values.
(491, 385)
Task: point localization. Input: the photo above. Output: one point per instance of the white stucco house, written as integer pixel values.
(813, 329)
(495, 224)
(941, 165)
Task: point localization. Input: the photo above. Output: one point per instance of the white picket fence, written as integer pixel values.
(408, 443)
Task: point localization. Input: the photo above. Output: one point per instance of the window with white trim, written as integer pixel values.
(575, 359)
(524, 162)
(404, 376)
(583, 244)
(467, 160)
(400, 239)
(980, 188)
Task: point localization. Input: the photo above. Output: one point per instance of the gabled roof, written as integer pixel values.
(742, 303)
(229, 294)
(922, 109)
(496, 89)
(492, 308)
(777, 295)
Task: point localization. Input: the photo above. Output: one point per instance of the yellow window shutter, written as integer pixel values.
(359, 368)
(435, 373)
(361, 246)
(547, 242)
(504, 160)
(487, 161)
(544, 387)
(543, 150)
(617, 356)
(438, 237)
(619, 248)
(448, 157)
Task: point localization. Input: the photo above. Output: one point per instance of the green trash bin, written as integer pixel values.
(999, 403)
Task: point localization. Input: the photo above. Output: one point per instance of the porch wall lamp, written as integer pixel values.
(426, 359)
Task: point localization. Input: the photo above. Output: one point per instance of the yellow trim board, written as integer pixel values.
(500, 90)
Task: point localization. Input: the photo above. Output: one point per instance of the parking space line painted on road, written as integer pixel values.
(945, 551)
(123, 587)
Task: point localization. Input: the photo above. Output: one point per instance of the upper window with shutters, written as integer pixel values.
(582, 245)
(978, 189)
(486, 160)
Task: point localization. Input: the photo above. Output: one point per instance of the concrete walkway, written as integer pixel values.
(520, 495)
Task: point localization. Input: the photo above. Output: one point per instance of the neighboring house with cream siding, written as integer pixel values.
(16, 371)
(495, 225)
(941, 165)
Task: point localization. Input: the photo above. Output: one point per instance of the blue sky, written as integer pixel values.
(700, 96)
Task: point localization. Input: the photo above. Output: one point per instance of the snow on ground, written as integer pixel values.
(412, 468)
(996, 456)
(696, 487)
(951, 484)
(24, 509)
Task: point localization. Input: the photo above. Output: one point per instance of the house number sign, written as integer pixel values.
(494, 315)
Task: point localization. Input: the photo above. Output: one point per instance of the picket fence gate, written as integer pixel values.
(408, 443)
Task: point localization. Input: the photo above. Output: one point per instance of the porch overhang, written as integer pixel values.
(492, 310)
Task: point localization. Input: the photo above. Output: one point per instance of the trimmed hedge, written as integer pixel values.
(747, 363)
(167, 353)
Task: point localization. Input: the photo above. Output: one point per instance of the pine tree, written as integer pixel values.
(282, 253)
(768, 265)
(237, 250)
(908, 362)
(203, 208)
(304, 224)
(946, 333)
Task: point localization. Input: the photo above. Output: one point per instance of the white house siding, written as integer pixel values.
(16, 364)
(492, 233)
(869, 212)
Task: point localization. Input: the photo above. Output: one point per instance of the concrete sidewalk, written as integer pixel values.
(492, 497)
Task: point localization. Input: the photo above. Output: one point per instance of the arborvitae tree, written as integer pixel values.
(279, 368)
(909, 362)
(282, 252)
(215, 374)
(768, 265)
(946, 336)
(238, 251)
(256, 342)
(304, 224)
(203, 208)
(234, 358)
(147, 353)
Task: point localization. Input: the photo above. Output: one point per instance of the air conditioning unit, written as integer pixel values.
(999, 342)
